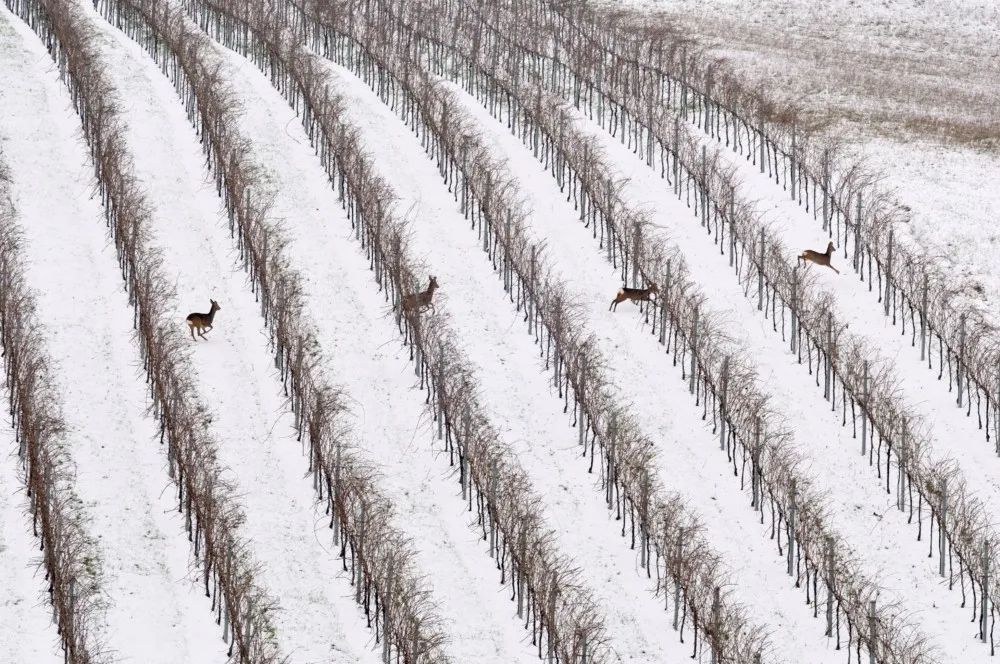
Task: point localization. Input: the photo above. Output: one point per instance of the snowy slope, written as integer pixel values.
(953, 432)
(120, 467)
(316, 619)
(365, 355)
(623, 336)
(438, 234)
(882, 540)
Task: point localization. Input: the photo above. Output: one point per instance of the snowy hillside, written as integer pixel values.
(515, 357)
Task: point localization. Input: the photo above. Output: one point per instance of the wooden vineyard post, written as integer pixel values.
(677, 156)
(581, 400)
(829, 584)
(901, 474)
(791, 530)
(694, 350)
(826, 359)
(732, 229)
(722, 408)
(864, 414)
(923, 321)
(760, 274)
(888, 276)
(663, 306)
(794, 306)
(531, 291)
(677, 586)
(792, 183)
(961, 358)
(857, 238)
(763, 147)
(942, 525)
(754, 472)
(872, 626)
(716, 620)
(984, 608)
(635, 254)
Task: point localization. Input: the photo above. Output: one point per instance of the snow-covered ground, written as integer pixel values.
(515, 388)
(364, 353)
(317, 619)
(882, 541)
(156, 612)
(152, 596)
(912, 87)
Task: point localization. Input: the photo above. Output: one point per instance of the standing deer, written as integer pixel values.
(202, 322)
(818, 258)
(420, 301)
(635, 294)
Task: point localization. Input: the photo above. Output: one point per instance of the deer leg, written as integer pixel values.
(191, 328)
(834, 269)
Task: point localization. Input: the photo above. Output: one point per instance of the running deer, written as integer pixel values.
(420, 301)
(635, 294)
(202, 322)
(818, 258)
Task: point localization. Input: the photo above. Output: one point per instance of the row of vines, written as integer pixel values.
(69, 554)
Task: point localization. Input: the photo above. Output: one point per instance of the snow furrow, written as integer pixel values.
(316, 617)
(119, 465)
(646, 370)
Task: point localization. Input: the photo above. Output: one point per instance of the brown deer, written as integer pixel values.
(420, 301)
(818, 258)
(635, 294)
(202, 322)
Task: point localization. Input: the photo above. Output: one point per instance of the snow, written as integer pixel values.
(877, 535)
(317, 619)
(120, 468)
(515, 391)
(156, 611)
(911, 86)
(882, 542)
(364, 353)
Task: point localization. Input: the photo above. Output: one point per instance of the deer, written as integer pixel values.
(202, 322)
(818, 258)
(635, 294)
(420, 301)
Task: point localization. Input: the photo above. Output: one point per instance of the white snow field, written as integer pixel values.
(156, 611)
